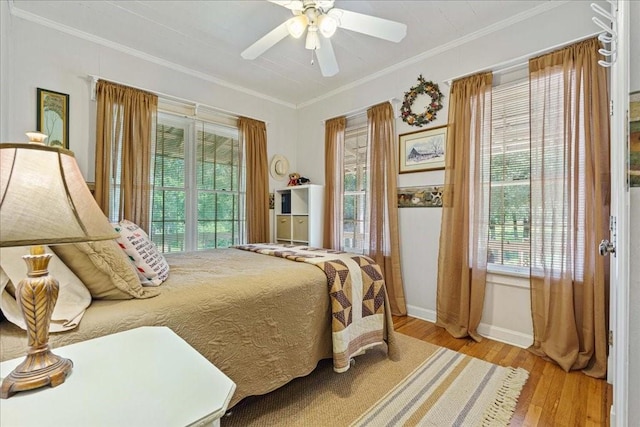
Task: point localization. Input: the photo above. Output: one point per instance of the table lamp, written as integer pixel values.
(44, 200)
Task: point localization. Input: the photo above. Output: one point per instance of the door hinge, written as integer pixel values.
(611, 107)
(611, 338)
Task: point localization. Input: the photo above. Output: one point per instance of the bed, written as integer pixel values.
(263, 320)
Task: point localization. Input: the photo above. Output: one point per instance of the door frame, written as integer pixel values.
(619, 292)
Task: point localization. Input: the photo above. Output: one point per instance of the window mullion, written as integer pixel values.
(191, 189)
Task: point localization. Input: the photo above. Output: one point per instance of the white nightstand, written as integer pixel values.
(142, 377)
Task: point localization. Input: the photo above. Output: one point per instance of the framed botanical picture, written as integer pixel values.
(423, 150)
(53, 117)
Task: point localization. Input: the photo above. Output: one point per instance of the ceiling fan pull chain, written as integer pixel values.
(312, 52)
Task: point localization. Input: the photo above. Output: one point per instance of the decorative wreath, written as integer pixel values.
(427, 88)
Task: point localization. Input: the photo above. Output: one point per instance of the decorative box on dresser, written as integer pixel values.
(299, 212)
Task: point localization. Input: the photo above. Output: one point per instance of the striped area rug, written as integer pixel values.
(450, 389)
(428, 386)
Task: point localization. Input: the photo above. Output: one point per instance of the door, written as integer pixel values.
(619, 293)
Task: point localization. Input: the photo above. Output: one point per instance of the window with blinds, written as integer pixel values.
(355, 228)
(197, 200)
(558, 175)
(509, 217)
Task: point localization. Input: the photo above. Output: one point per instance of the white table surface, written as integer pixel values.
(147, 376)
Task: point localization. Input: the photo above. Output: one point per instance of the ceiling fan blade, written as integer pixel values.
(289, 4)
(369, 25)
(327, 58)
(266, 42)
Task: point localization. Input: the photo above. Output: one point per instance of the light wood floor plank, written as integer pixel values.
(551, 396)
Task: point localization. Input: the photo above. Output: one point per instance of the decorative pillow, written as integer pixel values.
(103, 269)
(73, 296)
(150, 264)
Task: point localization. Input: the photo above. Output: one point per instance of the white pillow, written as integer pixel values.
(150, 264)
(73, 296)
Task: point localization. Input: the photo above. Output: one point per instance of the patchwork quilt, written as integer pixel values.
(357, 292)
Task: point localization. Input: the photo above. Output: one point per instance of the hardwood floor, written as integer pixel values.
(551, 396)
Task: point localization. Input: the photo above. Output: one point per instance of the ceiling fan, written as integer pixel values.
(320, 20)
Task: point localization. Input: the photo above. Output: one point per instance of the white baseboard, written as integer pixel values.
(495, 333)
(506, 336)
(421, 313)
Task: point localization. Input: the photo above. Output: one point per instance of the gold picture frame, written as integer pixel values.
(634, 139)
(422, 150)
(53, 117)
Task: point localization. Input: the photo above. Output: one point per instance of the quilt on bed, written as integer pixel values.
(357, 292)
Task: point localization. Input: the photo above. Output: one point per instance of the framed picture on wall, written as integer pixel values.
(420, 197)
(423, 150)
(53, 117)
(634, 139)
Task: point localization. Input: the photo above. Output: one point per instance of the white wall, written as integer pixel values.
(634, 256)
(507, 308)
(35, 56)
(5, 38)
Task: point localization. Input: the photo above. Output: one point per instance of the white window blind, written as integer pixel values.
(509, 218)
(557, 174)
(355, 225)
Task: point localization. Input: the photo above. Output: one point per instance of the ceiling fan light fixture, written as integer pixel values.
(327, 25)
(313, 41)
(297, 25)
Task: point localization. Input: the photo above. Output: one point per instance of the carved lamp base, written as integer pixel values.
(36, 296)
(54, 371)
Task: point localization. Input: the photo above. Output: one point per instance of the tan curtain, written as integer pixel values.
(124, 135)
(462, 260)
(333, 159)
(570, 203)
(384, 246)
(253, 136)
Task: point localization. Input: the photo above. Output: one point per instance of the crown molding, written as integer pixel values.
(20, 13)
(550, 5)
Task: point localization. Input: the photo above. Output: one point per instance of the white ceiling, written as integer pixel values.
(207, 37)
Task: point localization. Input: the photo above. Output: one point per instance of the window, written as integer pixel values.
(197, 202)
(355, 228)
(509, 220)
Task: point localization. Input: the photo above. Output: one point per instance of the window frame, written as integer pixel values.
(357, 128)
(192, 126)
(522, 271)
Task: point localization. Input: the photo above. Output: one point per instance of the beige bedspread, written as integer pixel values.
(359, 302)
(262, 320)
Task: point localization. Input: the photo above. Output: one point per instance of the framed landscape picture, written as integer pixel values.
(423, 150)
(634, 140)
(53, 117)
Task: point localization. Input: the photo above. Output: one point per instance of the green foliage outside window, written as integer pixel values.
(216, 195)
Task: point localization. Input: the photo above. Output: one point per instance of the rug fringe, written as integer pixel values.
(502, 409)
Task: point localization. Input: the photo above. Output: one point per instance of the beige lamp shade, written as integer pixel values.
(44, 198)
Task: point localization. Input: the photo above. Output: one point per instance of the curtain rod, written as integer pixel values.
(95, 78)
(521, 61)
(353, 113)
